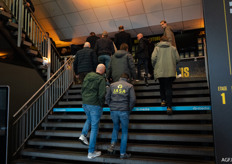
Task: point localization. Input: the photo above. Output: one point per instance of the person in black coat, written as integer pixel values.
(92, 39)
(85, 62)
(142, 55)
(104, 48)
(122, 37)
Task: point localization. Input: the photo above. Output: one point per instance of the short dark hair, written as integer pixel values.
(121, 27)
(124, 75)
(163, 21)
(164, 39)
(92, 33)
(124, 46)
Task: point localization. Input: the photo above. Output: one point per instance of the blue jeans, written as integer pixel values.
(104, 59)
(123, 118)
(93, 114)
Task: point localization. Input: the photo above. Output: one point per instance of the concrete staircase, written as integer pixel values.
(27, 51)
(154, 137)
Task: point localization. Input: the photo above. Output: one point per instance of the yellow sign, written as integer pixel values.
(222, 88)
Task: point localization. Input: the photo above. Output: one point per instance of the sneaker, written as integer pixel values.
(83, 140)
(163, 103)
(94, 154)
(169, 110)
(125, 156)
(111, 148)
(179, 76)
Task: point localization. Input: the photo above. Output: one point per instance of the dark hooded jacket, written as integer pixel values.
(93, 89)
(121, 62)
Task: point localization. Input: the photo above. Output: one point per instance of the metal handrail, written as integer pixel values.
(36, 109)
(55, 74)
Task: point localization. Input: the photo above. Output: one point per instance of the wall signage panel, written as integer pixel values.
(218, 27)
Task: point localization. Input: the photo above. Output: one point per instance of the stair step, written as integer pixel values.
(175, 100)
(134, 136)
(152, 101)
(139, 117)
(12, 25)
(174, 86)
(149, 94)
(37, 59)
(144, 126)
(82, 156)
(153, 82)
(26, 43)
(131, 147)
(34, 161)
(43, 67)
(32, 52)
(22, 34)
(5, 14)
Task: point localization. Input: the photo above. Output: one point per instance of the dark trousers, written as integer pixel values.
(144, 62)
(82, 76)
(166, 90)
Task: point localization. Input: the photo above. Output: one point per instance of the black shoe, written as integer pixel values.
(163, 103)
(125, 156)
(145, 79)
(111, 148)
(169, 111)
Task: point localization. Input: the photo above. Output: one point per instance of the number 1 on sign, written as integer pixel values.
(223, 98)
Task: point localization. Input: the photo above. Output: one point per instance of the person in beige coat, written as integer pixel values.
(164, 59)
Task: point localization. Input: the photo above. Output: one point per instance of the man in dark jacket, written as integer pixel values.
(104, 48)
(85, 62)
(123, 37)
(121, 62)
(92, 39)
(93, 98)
(164, 59)
(142, 54)
(121, 99)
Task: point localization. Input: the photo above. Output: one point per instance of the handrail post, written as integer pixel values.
(20, 24)
(49, 58)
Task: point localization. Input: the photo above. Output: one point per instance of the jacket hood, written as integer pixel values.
(163, 44)
(93, 76)
(120, 53)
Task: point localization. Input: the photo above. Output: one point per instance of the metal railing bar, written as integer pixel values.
(32, 131)
(49, 97)
(41, 88)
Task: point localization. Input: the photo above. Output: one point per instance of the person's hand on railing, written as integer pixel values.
(28, 4)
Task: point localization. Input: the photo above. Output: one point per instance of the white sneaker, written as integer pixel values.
(179, 76)
(94, 154)
(83, 140)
